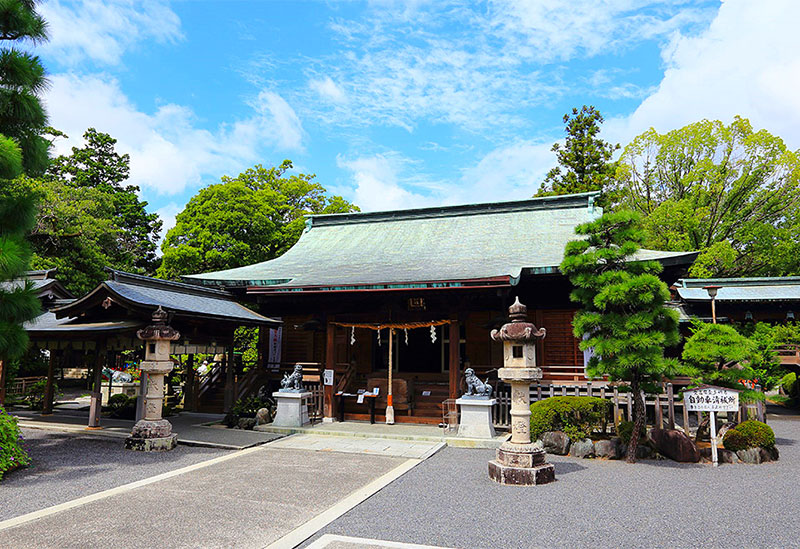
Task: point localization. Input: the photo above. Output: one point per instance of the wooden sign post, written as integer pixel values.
(711, 399)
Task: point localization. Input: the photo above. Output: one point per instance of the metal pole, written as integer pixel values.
(389, 406)
(714, 310)
(713, 417)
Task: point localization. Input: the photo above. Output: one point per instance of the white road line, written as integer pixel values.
(327, 539)
(302, 533)
(22, 519)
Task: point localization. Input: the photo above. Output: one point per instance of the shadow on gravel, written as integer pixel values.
(785, 441)
(566, 467)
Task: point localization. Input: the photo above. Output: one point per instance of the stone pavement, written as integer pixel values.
(360, 445)
(250, 498)
(190, 427)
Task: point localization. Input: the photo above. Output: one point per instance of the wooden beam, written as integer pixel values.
(47, 407)
(188, 388)
(230, 365)
(328, 402)
(2, 383)
(97, 394)
(455, 358)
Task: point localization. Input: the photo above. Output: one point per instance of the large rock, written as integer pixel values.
(768, 454)
(556, 442)
(723, 455)
(675, 445)
(610, 449)
(263, 416)
(750, 455)
(246, 423)
(582, 449)
(645, 451)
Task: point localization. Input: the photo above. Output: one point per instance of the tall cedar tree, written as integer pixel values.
(22, 150)
(584, 157)
(623, 317)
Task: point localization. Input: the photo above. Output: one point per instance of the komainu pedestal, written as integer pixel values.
(518, 461)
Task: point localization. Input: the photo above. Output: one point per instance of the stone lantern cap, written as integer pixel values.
(159, 329)
(519, 329)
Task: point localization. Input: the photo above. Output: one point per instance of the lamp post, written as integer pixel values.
(712, 293)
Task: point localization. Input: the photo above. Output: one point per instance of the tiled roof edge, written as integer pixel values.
(568, 201)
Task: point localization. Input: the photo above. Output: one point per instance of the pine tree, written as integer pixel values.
(22, 150)
(623, 317)
(585, 157)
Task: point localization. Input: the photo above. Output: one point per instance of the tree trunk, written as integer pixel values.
(638, 421)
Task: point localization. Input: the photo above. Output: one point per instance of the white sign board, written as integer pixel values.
(327, 376)
(711, 399)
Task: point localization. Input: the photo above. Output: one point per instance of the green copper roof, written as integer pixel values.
(446, 246)
(786, 288)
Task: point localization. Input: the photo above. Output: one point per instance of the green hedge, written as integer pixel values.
(625, 430)
(12, 454)
(749, 434)
(576, 416)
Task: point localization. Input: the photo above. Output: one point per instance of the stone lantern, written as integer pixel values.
(153, 433)
(518, 460)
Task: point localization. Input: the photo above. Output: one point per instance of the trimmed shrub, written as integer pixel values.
(625, 430)
(12, 454)
(576, 416)
(749, 434)
(247, 408)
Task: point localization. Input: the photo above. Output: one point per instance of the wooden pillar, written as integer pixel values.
(671, 404)
(188, 386)
(97, 394)
(328, 402)
(47, 408)
(455, 358)
(230, 366)
(2, 383)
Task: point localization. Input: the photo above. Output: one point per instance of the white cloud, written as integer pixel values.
(102, 30)
(379, 181)
(328, 90)
(167, 214)
(169, 150)
(745, 63)
(509, 172)
(550, 30)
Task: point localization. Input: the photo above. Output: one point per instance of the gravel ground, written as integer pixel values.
(68, 466)
(449, 501)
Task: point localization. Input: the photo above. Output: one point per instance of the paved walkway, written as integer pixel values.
(360, 445)
(189, 426)
(250, 498)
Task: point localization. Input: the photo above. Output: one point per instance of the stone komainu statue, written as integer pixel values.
(475, 386)
(293, 381)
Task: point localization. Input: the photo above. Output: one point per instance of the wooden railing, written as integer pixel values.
(789, 354)
(667, 405)
(21, 385)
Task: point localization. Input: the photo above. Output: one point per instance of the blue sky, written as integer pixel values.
(404, 104)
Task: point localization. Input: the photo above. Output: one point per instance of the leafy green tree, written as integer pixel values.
(98, 166)
(253, 217)
(584, 157)
(22, 79)
(623, 316)
(727, 191)
(76, 232)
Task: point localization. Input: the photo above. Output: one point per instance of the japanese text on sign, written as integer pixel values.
(711, 400)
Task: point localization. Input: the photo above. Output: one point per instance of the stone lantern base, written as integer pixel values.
(152, 436)
(522, 465)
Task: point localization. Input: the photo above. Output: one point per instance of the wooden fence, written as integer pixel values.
(665, 409)
(20, 385)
